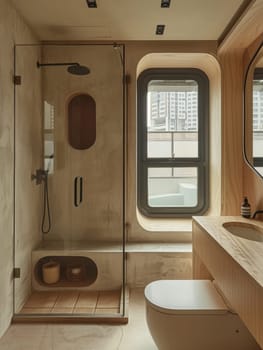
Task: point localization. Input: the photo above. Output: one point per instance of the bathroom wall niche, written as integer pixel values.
(81, 121)
(49, 150)
(75, 271)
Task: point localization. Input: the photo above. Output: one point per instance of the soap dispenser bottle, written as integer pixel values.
(245, 209)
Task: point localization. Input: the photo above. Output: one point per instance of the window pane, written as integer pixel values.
(185, 145)
(172, 187)
(159, 145)
(172, 119)
(160, 172)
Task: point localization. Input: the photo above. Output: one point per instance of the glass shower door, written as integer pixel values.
(77, 267)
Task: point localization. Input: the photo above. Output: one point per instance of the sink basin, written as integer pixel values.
(244, 230)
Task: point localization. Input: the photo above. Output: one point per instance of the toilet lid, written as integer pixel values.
(185, 297)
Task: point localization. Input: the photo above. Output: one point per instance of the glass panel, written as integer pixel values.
(172, 187)
(160, 145)
(83, 251)
(172, 119)
(185, 145)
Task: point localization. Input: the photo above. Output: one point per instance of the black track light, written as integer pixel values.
(160, 29)
(165, 3)
(92, 3)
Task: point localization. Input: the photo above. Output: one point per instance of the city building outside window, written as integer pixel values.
(173, 140)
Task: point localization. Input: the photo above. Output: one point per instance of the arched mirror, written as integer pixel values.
(253, 113)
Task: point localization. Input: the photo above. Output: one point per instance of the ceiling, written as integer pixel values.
(118, 20)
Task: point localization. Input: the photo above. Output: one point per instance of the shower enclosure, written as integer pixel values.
(69, 241)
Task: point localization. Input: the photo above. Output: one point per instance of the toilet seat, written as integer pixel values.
(185, 297)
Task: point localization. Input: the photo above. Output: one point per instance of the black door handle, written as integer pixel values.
(78, 190)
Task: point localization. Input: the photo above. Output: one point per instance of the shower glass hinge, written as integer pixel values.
(16, 272)
(127, 79)
(17, 79)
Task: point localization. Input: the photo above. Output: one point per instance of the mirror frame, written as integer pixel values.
(245, 109)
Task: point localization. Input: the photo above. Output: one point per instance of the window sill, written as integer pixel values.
(164, 225)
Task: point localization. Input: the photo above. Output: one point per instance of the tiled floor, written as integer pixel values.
(69, 302)
(133, 336)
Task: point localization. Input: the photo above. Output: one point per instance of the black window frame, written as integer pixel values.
(201, 162)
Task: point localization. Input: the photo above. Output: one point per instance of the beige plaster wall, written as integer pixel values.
(12, 30)
(99, 216)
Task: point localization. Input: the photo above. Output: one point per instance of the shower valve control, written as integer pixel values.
(40, 176)
(17, 272)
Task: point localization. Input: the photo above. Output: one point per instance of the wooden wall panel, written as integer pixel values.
(234, 54)
(232, 157)
(246, 30)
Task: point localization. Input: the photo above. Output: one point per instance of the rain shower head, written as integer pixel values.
(74, 67)
(77, 69)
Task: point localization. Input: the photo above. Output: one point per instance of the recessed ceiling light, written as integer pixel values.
(92, 3)
(165, 3)
(159, 29)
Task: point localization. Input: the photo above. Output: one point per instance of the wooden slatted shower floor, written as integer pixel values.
(73, 302)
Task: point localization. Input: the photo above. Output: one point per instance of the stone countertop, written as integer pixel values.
(247, 253)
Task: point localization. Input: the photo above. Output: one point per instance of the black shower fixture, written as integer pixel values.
(92, 3)
(160, 29)
(77, 69)
(74, 67)
(165, 3)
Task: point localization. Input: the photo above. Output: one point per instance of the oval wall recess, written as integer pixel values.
(81, 121)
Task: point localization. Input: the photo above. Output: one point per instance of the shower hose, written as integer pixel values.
(46, 210)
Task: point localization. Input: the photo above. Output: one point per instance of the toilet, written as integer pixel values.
(192, 315)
